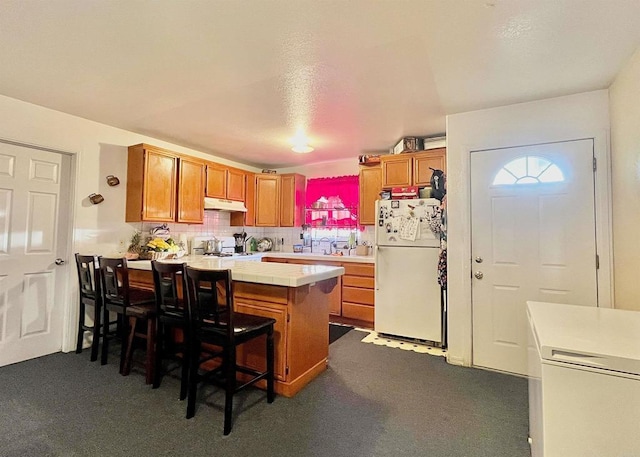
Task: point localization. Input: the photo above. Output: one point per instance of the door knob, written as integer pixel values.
(59, 261)
(479, 259)
(478, 275)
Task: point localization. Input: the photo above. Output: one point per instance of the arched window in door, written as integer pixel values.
(528, 170)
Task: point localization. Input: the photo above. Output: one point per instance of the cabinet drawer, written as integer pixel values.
(359, 269)
(358, 281)
(357, 311)
(357, 295)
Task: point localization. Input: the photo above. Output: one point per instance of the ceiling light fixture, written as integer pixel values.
(302, 148)
(300, 143)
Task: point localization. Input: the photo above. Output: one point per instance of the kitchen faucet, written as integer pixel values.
(324, 238)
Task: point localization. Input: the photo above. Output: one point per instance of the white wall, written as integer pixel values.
(624, 97)
(99, 150)
(564, 118)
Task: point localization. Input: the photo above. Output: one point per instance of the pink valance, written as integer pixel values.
(337, 199)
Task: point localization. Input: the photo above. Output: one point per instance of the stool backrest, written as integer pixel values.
(88, 278)
(168, 281)
(114, 276)
(206, 308)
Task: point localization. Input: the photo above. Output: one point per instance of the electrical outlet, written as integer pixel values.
(122, 246)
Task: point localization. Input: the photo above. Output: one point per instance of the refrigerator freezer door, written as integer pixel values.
(407, 293)
(406, 222)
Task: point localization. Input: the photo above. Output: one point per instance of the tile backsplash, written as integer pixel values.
(217, 223)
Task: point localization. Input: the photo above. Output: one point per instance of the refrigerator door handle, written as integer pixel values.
(375, 268)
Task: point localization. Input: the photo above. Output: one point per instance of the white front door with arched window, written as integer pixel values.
(533, 238)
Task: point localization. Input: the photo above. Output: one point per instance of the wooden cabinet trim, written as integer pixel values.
(358, 295)
(358, 281)
(359, 269)
(357, 311)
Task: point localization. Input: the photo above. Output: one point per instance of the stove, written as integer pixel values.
(219, 254)
(228, 243)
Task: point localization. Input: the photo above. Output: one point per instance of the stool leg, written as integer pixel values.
(80, 325)
(194, 358)
(157, 372)
(270, 357)
(105, 336)
(230, 387)
(127, 344)
(150, 365)
(184, 375)
(95, 342)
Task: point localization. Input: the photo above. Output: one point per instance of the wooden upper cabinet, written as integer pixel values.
(247, 219)
(396, 170)
(370, 183)
(151, 184)
(423, 162)
(216, 181)
(236, 186)
(225, 182)
(292, 200)
(191, 182)
(250, 200)
(267, 200)
(412, 169)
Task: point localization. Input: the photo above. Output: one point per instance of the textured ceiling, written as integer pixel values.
(237, 78)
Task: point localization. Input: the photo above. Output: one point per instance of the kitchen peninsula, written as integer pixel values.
(294, 295)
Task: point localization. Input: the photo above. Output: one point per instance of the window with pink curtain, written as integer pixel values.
(333, 201)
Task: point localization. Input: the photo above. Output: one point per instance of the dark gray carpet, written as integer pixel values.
(338, 331)
(372, 401)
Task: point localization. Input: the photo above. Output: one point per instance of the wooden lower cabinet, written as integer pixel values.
(335, 298)
(251, 354)
(358, 293)
(353, 301)
(301, 331)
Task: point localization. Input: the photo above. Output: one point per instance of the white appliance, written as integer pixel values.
(228, 244)
(584, 381)
(407, 294)
(221, 204)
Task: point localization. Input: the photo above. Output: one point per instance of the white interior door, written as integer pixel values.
(533, 238)
(32, 237)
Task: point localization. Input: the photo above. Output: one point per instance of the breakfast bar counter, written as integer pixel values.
(296, 296)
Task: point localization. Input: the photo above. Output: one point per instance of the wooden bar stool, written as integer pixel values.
(215, 322)
(90, 295)
(131, 306)
(171, 313)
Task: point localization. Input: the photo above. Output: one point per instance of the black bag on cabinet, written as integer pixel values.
(438, 184)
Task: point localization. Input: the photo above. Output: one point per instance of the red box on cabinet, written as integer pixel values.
(400, 193)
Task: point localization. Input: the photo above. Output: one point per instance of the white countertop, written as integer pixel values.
(589, 336)
(319, 257)
(251, 269)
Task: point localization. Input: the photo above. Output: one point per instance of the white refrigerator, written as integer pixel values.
(584, 381)
(407, 294)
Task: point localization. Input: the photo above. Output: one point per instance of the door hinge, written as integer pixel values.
(286, 370)
(597, 262)
(288, 317)
(595, 164)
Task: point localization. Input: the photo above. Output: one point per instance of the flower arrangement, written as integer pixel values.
(157, 249)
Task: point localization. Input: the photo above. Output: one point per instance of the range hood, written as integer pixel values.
(220, 204)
